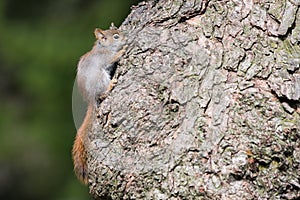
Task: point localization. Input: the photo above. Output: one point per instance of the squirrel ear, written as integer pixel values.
(99, 34)
(113, 27)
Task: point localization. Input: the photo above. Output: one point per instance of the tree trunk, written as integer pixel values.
(206, 105)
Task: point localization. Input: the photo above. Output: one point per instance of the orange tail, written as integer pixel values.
(79, 151)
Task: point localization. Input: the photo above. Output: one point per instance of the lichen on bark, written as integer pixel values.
(206, 106)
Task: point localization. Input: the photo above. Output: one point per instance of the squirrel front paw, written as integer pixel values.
(112, 84)
(119, 54)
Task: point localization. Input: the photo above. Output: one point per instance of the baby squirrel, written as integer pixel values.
(94, 73)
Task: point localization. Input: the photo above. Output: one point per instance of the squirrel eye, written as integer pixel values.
(116, 36)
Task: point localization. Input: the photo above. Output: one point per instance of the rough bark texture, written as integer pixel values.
(206, 106)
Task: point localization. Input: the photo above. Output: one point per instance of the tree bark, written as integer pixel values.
(207, 104)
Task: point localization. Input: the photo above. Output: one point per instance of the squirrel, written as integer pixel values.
(94, 78)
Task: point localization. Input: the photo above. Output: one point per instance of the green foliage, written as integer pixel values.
(40, 45)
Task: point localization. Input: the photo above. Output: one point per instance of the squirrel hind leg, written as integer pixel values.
(80, 161)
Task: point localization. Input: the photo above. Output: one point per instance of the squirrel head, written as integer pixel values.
(112, 38)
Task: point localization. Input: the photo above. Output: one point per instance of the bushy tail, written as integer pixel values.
(79, 151)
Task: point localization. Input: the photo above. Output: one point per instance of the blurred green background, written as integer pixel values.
(41, 42)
